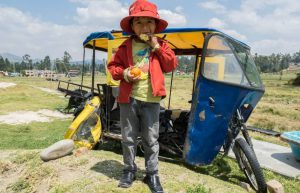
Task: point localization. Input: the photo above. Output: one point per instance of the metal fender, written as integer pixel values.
(86, 128)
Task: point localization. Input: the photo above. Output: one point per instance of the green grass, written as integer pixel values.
(32, 136)
(198, 189)
(20, 185)
(23, 97)
(279, 108)
(290, 185)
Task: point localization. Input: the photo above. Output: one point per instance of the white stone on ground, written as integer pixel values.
(57, 150)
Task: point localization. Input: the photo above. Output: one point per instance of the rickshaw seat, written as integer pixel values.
(115, 91)
(178, 117)
(174, 114)
(109, 98)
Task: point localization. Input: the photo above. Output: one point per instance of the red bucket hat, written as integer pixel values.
(143, 8)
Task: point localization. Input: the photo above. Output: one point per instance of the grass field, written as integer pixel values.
(21, 170)
(279, 108)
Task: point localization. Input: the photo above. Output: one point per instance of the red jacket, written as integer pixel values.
(163, 60)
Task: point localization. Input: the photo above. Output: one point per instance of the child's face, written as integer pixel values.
(143, 25)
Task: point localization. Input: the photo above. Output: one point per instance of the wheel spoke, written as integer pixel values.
(246, 167)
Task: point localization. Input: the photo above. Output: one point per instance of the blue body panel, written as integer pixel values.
(208, 123)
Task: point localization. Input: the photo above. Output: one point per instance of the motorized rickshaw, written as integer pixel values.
(226, 89)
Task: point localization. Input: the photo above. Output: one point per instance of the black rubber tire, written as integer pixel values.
(248, 163)
(97, 146)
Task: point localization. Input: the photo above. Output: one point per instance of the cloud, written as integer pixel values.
(213, 6)
(174, 19)
(269, 26)
(282, 20)
(106, 13)
(109, 13)
(216, 23)
(179, 9)
(235, 34)
(269, 46)
(221, 25)
(24, 34)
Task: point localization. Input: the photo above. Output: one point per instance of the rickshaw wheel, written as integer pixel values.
(248, 163)
(97, 145)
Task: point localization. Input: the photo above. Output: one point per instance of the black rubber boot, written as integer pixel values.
(153, 182)
(126, 180)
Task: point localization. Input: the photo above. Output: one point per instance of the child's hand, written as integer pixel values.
(150, 39)
(132, 77)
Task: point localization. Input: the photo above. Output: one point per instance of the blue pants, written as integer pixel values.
(142, 118)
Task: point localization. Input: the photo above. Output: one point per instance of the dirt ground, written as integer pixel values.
(25, 117)
(94, 171)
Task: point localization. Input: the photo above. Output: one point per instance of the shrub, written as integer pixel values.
(198, 189)
(296, 81)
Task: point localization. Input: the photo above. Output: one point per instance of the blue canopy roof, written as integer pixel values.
(98, 35)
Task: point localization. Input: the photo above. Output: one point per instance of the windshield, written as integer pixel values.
(248, 65)
(230, 62)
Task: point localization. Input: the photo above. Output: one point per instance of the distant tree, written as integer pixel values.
(186, 64)
(7, 65)
(18, 67)
(102, 66)
(296, 57)
(27, 61)
(37, 65)
(263, 63)
(86, 68)
(272, 63)
(30, 64)
(275, 62)
(285, 61)
(59, 65)
(2, 64)
(66, 60)
(47, 63)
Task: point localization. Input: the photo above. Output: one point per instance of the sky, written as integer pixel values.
(50, 27)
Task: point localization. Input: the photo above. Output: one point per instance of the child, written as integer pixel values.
(141, 92)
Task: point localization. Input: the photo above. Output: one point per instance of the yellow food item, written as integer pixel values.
(144, 37)
(135, 72)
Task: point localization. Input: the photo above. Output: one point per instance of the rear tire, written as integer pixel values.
(248, 163)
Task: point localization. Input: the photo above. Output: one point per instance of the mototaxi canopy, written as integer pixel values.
(183, 41)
